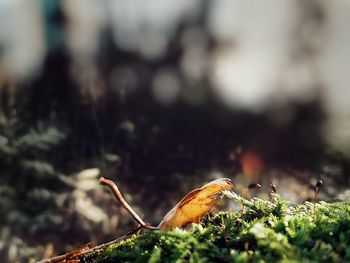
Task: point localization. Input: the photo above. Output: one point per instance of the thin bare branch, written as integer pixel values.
(115, 190)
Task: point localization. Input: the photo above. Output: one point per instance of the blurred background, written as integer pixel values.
(162, 96)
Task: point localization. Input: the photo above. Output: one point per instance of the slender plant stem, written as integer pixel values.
(115, 190)
(316, 195)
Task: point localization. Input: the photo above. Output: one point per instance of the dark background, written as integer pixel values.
(162, 97)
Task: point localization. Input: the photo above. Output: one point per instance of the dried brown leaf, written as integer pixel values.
(196, 204)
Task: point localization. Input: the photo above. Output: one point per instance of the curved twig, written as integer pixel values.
(115, 190)
(80, 252)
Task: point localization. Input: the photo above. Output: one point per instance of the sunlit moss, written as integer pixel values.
(264, 232)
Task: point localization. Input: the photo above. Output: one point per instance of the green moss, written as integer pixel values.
(264, 232)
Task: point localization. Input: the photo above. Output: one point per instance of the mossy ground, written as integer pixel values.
(265, 232)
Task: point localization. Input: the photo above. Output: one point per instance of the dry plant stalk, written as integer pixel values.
(117, 194)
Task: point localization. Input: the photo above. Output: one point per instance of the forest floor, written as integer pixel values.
(264, 231)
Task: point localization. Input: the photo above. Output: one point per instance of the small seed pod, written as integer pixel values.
(273, 188)
(254, 185)
(319, 183)
(316, 188)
